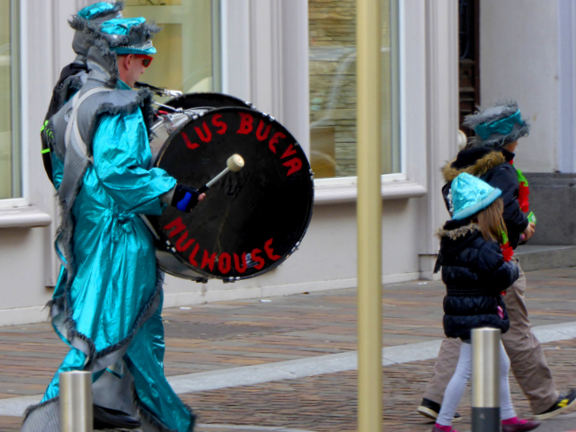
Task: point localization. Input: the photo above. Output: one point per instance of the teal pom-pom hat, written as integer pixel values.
(129, 35)
(471, 195)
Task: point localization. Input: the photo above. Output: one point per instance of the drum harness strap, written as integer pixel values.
(76, 161)
(77, 158)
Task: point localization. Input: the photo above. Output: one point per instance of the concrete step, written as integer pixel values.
(542, 257)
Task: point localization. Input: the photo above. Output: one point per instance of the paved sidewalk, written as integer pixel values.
(291, 356)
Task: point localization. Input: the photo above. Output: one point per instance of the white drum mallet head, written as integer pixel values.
(234, 163)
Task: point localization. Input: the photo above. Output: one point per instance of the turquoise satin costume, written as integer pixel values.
(116, 280)
(108, 300)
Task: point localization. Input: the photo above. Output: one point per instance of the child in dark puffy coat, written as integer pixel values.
(475, 274)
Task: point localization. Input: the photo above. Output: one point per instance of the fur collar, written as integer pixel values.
(480, 167)
(454, 234)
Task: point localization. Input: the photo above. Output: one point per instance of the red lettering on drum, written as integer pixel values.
(223, 126)
(189, 143)
(224, 263)
(259, 135)
(289, 151)
(205, 138)
(240, 268)
(294, 165)
(246, 123)
(208, 259)
(258, 259)
(177, 224)
(275, 139)
(181, 240)
(193, 255)
(269, 251)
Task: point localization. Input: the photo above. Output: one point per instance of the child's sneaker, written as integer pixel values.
(431, 409)
(517, 425)
(442, 428)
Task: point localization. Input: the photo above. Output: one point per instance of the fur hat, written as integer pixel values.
(497, 126)
(96, 13)
(129, 35)
(470, 195)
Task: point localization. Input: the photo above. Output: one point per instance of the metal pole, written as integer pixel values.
(485, 380)
(76, 412)
(369, 213)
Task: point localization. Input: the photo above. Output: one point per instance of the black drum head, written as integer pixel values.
(250, 220)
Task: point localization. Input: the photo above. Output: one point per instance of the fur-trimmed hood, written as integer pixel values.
(474, 161)
(455, 233)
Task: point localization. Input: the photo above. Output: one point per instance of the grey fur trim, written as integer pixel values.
(458, 232)
(32, 408)
(87, 30)
(102, 64)
(142, 101)
(148, 417)
(149, 309)
(77, 22)
(491, 114)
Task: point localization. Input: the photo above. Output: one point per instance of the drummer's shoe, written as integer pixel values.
(108, 418)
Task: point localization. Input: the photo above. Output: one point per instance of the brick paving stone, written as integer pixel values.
(326, 403)
(238, 333)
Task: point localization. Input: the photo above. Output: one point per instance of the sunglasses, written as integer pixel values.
(146, 59)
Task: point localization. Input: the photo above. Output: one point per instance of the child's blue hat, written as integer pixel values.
(129, 35)
(470, 195)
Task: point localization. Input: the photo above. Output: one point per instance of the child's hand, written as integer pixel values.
(528, 232)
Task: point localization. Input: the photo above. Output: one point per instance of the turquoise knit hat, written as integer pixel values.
(470, 195)
(130, 35)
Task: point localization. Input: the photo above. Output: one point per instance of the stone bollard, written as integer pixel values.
(485, 380)
(76, 412)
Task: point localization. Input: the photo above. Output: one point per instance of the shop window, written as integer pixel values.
(332, 29)
(188, 45)
(10, 183)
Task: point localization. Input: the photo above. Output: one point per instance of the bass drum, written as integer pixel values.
(207, 101)
(179, 110)
(251, 220)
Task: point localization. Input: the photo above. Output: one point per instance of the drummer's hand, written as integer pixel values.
(185, 198)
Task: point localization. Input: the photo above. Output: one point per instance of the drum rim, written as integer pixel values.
(242, 103)
(304, 225)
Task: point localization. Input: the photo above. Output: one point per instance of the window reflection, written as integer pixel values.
(186, 45)
(332, 28)
(9, 185)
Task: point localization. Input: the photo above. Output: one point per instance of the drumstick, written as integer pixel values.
(234, 163)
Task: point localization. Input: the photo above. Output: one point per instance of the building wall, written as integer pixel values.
(273, 39)
(519, 60)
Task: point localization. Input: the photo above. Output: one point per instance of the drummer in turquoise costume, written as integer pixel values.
(108, 300)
